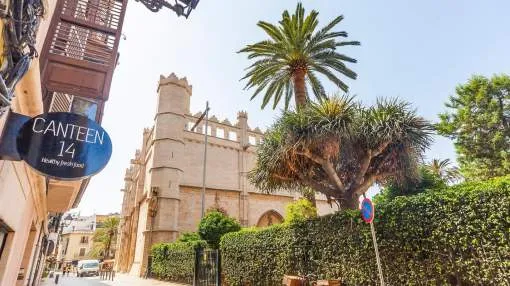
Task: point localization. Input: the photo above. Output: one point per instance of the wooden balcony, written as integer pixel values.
(80, 51)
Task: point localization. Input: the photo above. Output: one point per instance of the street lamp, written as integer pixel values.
(205, 115)
(180, 7)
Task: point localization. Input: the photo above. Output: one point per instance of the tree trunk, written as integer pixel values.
(299, 88)
(349, 201)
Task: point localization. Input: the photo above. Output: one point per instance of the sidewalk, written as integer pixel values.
(120, 280)
(125, 279)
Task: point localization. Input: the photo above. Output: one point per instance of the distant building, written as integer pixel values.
(77, 239)
(162, 193)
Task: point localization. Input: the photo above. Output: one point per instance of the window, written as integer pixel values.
(82, 251)
(220, 133)
(84, 239)
(209, 130)
(232, 136)
(190, 125)
(4, 232)
(252, 140)
(84, 107)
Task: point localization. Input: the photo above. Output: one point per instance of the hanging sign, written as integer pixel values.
(64, 146)
(367, 210)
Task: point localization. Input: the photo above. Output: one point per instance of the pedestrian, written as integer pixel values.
(64, 269)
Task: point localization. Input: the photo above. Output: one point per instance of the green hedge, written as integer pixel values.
(460, 234)
(175, 261)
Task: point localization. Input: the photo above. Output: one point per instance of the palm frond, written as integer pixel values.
(296, 45)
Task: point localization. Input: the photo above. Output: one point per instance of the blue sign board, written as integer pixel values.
(64, 146)
(367, 210)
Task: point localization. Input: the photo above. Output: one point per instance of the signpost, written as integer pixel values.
(60, 145)
(367, 214)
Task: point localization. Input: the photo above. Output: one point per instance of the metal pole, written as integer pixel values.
(379, 268)
(205, 156)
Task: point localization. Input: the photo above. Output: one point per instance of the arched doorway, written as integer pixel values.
(269, 218)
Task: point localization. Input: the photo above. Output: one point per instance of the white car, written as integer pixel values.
(88, 267)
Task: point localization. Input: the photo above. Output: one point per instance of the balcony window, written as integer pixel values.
(84, 107)
(84, 239)
(63, 102)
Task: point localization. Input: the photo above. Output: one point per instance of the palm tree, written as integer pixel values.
(443, 169)
(294, 55)
(105, 235)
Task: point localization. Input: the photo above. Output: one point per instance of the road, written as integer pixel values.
(120, 280)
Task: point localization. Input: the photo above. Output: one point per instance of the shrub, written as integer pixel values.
(175, 261)
(188, 237)
(458, 235)
(266, 249)
(214, 225)
(299, 210)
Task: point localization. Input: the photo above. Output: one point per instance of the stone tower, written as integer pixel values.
(166, 154)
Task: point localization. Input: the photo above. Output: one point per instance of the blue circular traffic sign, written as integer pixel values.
(367, 210)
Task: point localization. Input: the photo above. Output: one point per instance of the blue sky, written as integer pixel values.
(416, 50)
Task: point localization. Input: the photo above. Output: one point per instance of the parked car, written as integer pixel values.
(88, 267)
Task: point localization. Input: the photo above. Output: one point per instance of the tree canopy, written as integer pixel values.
(214, 225)
(478, 120)
(295, 54)
(340, 148)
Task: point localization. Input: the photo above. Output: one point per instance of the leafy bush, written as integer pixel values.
(188, 237)
(299, 210)
(458, 235)
(175, 261)
(214, 225)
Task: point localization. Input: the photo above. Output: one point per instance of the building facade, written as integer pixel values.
(162, 193)
(77, 41)
(77, 240)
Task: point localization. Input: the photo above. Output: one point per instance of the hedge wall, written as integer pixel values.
(457, 235)
(175, 261)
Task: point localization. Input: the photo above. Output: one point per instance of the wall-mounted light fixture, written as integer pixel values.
(180, 7)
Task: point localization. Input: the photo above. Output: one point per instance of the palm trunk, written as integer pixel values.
(299, 88)
(107, 248)
(300, 98)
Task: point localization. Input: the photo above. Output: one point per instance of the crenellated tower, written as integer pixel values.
(164, 159)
